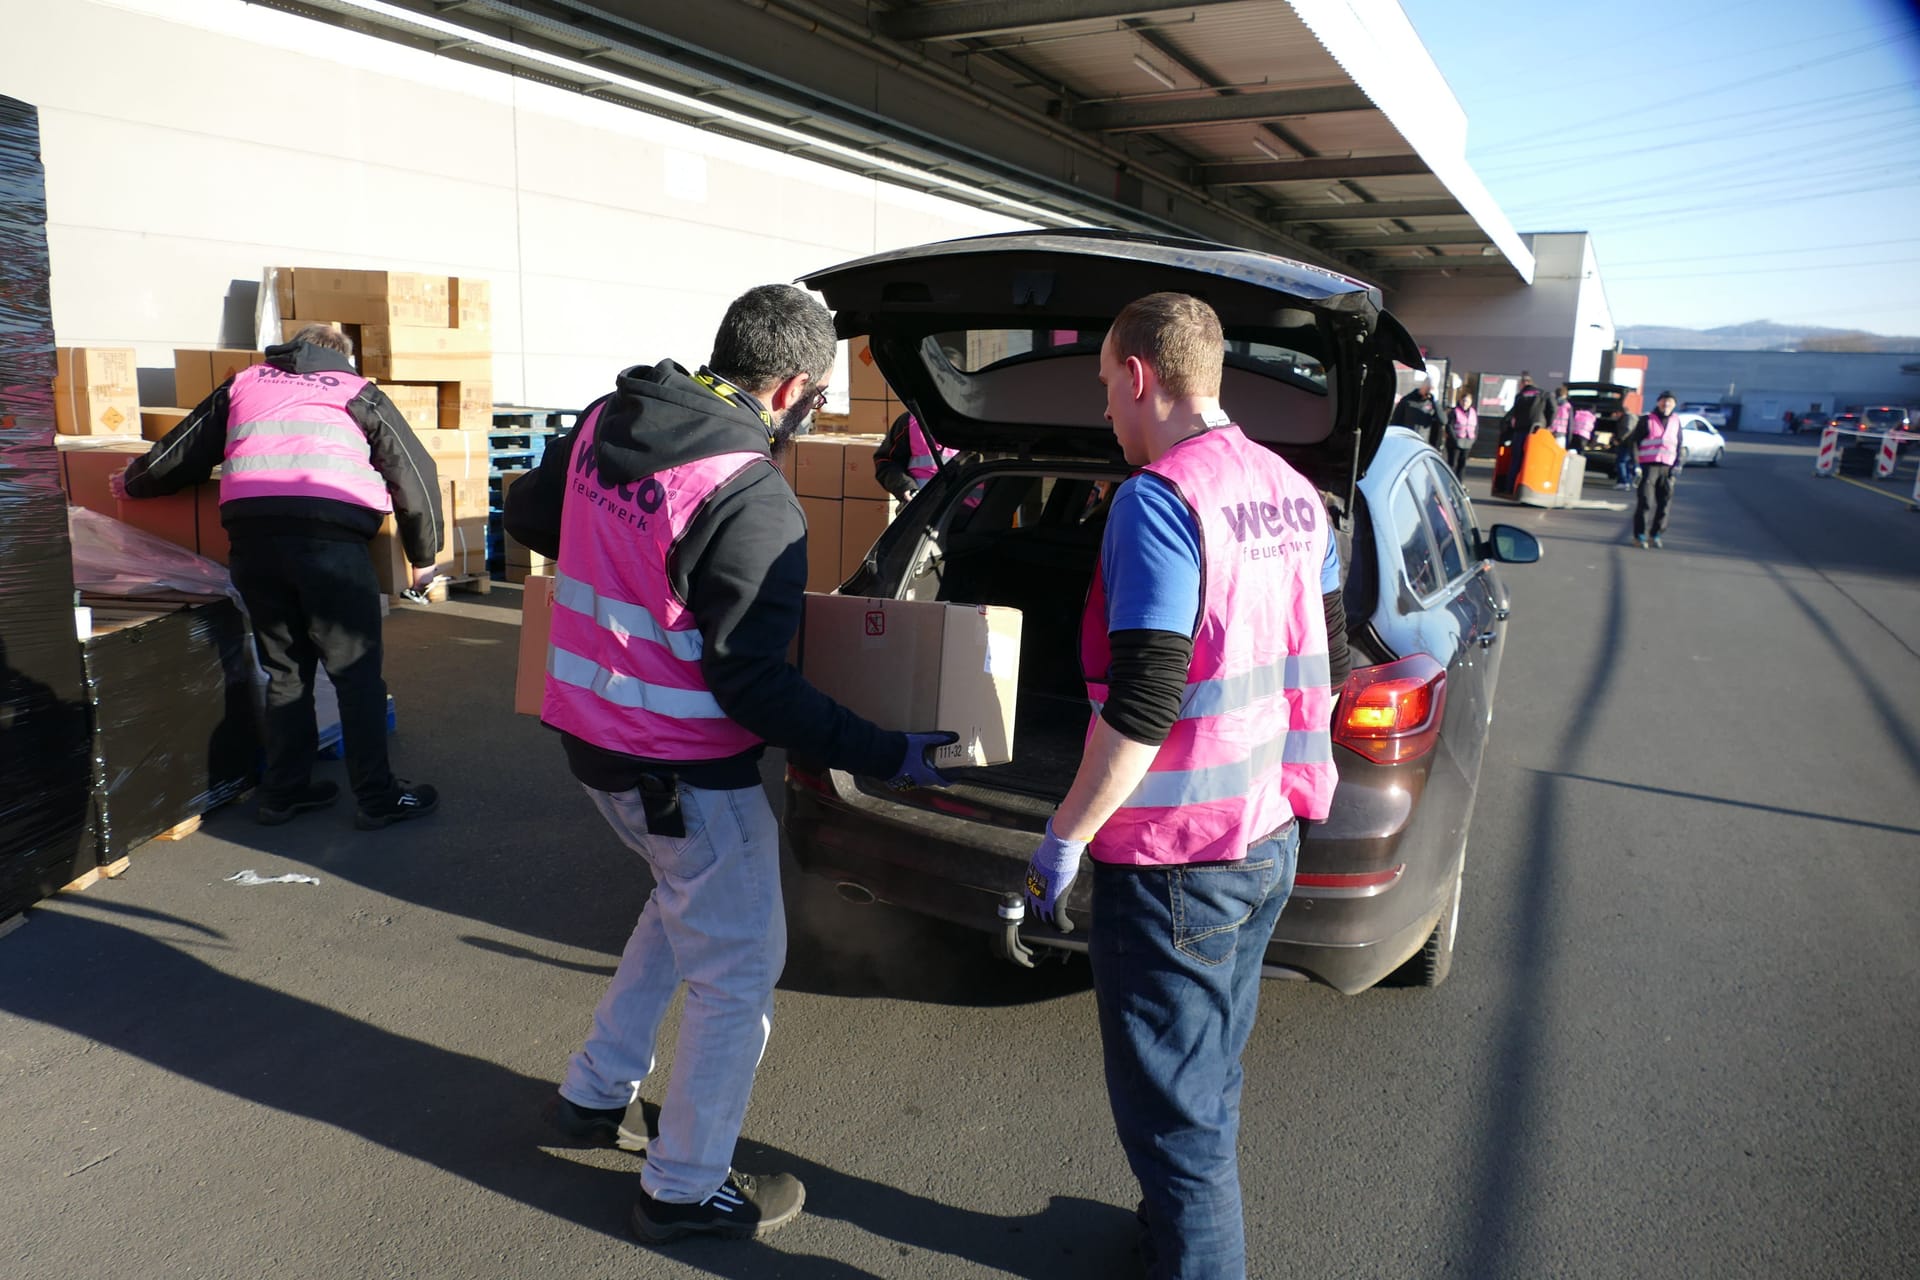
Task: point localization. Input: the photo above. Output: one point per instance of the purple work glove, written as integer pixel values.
(1050, 874)
(915, 769)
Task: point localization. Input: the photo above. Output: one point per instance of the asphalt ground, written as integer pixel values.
(1679, 1038)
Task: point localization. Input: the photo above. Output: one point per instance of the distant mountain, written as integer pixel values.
(1762, 335)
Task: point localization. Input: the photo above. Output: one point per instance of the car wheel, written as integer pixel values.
(1430, 965)
(1717, 454)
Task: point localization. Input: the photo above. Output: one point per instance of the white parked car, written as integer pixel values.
(1713, 413)
(1700, 440)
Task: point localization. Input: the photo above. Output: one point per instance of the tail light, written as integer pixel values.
(808, 779)
(1391, 713)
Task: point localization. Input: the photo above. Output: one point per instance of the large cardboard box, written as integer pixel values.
(155, 423)
(457, 455)
(198, 370)
(863, 375)
(86, 465)
(370, 297)
(856, 469)
(823, 542)
(862, 521)
(919, 665)
(818, 462)
(472, 303)
(95, 392)
(536, 625)
(417, 353)
(173, 516)
(418, 403)
(466, 406)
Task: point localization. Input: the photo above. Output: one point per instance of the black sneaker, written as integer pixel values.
(405, 801)
(273, 810)
(743, 1207)
(596, 1126)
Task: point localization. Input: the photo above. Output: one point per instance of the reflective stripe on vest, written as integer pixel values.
(290, 435)
(623, 654)
(1252, 745)
(924, 456)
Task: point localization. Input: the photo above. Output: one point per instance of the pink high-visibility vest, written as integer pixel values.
(925, 456)
(1251, 748)
(1464, 423)
(1562, 413)
(1661, 443)
(623, 659)
(1582, 423)
(289, 435)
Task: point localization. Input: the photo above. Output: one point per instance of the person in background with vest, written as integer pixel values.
(1213, 637)
(1657, 446)
(682, 567)
(1625, 423)
(312, 458)
(906, 458)
(1529, 413)
(1419, 412)
(1580, 429)
(1562, 415)
(1463, 428)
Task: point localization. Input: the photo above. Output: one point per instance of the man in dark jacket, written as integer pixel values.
(1420, 412)
(894, 457)
(1532, 410)
(682, 566)
(312, 458)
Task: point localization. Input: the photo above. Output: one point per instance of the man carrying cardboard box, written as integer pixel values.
(682, 570)
(1210, 649)
(312, 457)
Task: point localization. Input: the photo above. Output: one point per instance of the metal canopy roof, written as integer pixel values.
(1301, 128)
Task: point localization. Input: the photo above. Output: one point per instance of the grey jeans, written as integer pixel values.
(715, 922)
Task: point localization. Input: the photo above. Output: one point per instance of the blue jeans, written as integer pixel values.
(1176, 954)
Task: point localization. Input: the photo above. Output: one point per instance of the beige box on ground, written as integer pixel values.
(536, 624)
(862, 521)
(823, 542)
(919, 665)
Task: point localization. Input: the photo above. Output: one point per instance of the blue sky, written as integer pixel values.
(1744, 160)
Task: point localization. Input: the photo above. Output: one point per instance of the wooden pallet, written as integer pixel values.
(478, 583)
(109, 872)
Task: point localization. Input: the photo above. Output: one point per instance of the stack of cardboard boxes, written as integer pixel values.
(95, 392)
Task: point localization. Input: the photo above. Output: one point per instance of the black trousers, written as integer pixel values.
(315, 601)
(1457, 454)
(1656, 497)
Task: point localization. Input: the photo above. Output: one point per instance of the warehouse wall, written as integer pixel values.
(1554, 329)
(1766, 383)
(191, 143)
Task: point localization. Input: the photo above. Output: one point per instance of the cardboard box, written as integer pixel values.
(155, 423)
(857, 479)
(525, 572)
(823, 543)
(370, 297)
(471, 500)
(84, 368)
(391, 568)
(817, 465)
(471, 303)
(785, 462)
(862, 521)
(467, 547)
(863, 375)
(919, 665)
(95, 411)
(174, 517)
(416, 353)
(418, 403)
(466, 406)
(536, 625)
(85, 466)
(198, 370)
(457, 455)
(213, 534)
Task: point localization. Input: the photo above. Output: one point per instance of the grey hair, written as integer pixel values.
(327, 336)
(769, 334)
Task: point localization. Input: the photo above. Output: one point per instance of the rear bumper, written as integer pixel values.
(960, 869)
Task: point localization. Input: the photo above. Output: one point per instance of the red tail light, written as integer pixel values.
(1391, 713)
(811, 781)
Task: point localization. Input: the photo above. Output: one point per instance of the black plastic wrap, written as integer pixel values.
(44, 757)
(173, 721)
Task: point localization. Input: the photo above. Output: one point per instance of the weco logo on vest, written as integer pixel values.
(1271, 520)
(647, 495)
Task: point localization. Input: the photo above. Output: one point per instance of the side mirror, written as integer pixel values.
(1510, 545)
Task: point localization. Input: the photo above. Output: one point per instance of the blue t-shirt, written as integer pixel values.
(1150, 555)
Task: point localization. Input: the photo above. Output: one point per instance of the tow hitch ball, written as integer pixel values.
(1007, 943)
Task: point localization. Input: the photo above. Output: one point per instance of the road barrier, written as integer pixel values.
(1890, 453)
(1827, 462)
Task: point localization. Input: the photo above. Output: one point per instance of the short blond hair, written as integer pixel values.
(1179, 336)
(327, 336)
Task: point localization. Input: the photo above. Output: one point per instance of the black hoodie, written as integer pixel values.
(188, 454)
(740, 566)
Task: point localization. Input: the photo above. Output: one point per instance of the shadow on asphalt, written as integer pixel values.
(1696, 797)
(422, 1101)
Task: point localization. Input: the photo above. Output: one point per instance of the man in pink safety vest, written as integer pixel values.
(312, 459)
(907, 458)
(1212, 640)
(1657, 446)
(682, 567)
